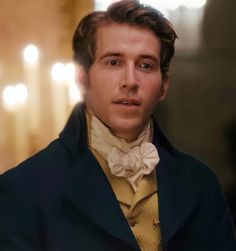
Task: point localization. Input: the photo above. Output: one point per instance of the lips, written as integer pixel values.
(128, 102)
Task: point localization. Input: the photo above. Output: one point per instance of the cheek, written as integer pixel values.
(97, 96)
(152, 92)
(152, 98)
(101, 84)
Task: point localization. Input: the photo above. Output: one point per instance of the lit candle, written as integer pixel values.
(32, 78)
(74, 89)
(59, 96)
(15, 97)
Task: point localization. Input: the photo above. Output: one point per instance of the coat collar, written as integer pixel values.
(74, 134)
(97, 200)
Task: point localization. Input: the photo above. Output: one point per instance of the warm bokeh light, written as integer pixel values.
(9, 95)
(74, 94)
(65, 73)
(21, 93)
(103, 4)
(70, 72)
(14, 95)
(174, 4)
(31, 54)
(162, 5)
(194, 4)
(58, 72)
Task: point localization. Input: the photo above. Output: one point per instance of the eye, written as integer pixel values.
(146, 66)
(114, 62)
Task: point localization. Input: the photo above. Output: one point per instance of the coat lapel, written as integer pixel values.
(177, 196)
(91, 193)
(177, 199)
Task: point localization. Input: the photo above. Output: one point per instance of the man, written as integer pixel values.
(112, 181)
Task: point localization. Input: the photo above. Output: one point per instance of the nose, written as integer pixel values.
(129, 81)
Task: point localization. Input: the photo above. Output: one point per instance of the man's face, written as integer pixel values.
(125, 82)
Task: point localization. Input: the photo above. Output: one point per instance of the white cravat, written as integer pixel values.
(130, 160)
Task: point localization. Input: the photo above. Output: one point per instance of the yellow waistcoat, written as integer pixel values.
(140, 208)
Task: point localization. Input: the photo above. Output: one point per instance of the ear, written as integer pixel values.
(164, 86)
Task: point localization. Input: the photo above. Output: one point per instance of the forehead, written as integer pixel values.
(126, 38)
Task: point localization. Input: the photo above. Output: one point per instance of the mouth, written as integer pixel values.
(127, 102)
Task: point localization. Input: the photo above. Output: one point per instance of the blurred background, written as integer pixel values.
(37, 89)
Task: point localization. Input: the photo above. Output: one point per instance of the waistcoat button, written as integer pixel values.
(132, 221)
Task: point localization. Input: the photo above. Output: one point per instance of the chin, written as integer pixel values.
(126, 127)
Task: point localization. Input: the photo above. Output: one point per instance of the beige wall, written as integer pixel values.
(49, 24)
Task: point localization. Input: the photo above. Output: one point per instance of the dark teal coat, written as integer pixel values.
(60, 200)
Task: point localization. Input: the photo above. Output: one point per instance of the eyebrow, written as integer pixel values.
(117, 54)
(111, 54)
(151, 57)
